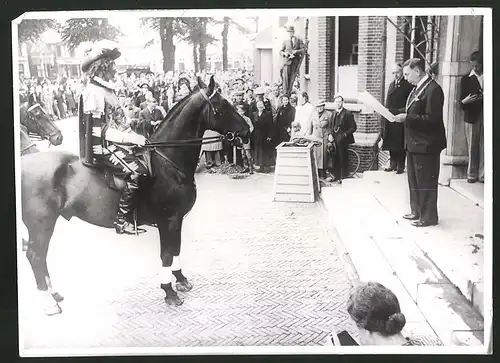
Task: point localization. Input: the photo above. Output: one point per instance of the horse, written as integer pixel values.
(36, 121)
(57, 184)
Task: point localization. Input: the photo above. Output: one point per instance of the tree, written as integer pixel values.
(77, 31)
(29, 32)
(195, 30)
(226, 23)
(167, 28)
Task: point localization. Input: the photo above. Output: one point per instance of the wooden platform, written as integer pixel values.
(296, 175)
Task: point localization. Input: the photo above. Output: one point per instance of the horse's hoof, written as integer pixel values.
(57, 297)
(53, 310)
(184, 286)
(174, 300)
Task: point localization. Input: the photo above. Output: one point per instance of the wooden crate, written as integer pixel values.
(296, 175)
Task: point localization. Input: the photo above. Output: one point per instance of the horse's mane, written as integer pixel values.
(173, 114)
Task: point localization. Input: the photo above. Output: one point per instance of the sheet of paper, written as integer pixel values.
(375, 105)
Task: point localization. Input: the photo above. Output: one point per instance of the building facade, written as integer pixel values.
(350, 54)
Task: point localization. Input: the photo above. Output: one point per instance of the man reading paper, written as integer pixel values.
(425, 138)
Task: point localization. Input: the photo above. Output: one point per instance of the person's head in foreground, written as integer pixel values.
(376, 312)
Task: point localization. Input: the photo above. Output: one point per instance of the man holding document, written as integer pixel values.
(425, 138)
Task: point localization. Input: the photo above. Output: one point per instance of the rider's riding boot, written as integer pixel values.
(125, 207)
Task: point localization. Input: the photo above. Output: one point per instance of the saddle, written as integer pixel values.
(115, 180)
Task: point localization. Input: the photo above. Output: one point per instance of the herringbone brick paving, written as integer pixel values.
(264, 273)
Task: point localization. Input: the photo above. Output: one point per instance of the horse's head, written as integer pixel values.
(223, 116)
(37, 121)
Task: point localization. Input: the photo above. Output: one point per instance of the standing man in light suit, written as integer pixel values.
(292, 50)
(425, 138)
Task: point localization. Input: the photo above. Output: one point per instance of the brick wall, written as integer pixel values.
(371, 66)
(325, 63)
(371, 78)
(400, 41)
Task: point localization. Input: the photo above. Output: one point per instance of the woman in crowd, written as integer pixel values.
(70, 100)
(263, 150)
(285, 115)
(304, 113)
(48, 100)
(59, 97)
(375, 311)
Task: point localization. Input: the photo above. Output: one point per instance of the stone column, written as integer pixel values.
(459, 37)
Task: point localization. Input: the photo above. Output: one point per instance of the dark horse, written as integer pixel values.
(57, 184)
(34, 120)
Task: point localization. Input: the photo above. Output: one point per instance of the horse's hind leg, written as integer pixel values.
(40, 235)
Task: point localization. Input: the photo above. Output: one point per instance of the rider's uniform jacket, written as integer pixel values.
(98, 107)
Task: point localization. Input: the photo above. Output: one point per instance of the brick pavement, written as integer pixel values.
(264, 273)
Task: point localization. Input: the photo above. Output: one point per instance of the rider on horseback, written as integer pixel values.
(102, 141)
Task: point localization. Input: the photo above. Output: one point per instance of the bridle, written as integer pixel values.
(229, 136)
(38, 126)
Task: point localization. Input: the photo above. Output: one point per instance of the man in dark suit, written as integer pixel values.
(393, 133)
(149, 118)
(425, 138)
(292, 50)
(471, 101)
(341, 134)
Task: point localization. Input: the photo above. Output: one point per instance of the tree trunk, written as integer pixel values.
(167, 44)
(203, 46)
(31, 67)
(195, 58)
(203, 56)
(225, 30)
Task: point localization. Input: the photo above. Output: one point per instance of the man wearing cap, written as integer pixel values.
(321, 124)
(149, 118)
(100, 142)
(292, 50)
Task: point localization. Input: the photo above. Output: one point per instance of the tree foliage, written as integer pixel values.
(30, 30)
(77, 31)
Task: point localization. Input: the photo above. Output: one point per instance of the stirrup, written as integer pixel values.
(128, 228)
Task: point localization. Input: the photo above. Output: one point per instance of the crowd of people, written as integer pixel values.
(274, 116)
(58, 97)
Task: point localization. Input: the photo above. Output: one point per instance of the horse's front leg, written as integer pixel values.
(170, 245)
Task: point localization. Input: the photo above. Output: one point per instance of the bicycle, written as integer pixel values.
(353, 154)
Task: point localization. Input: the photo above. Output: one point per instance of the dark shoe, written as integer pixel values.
(471, 180)
(389, 168)
(423, 223)
(400, 171)
(411, 217)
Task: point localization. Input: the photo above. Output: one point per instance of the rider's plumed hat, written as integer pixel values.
(101, 49)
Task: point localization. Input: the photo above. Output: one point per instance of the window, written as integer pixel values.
(72, 53)
(348, 40)
(59, 51)
(421, 36)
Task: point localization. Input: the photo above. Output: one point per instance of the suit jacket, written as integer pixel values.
(343, 127)
(473, 111)
(424, 126)
(144, 126)
(288, 47)
(393, 132)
